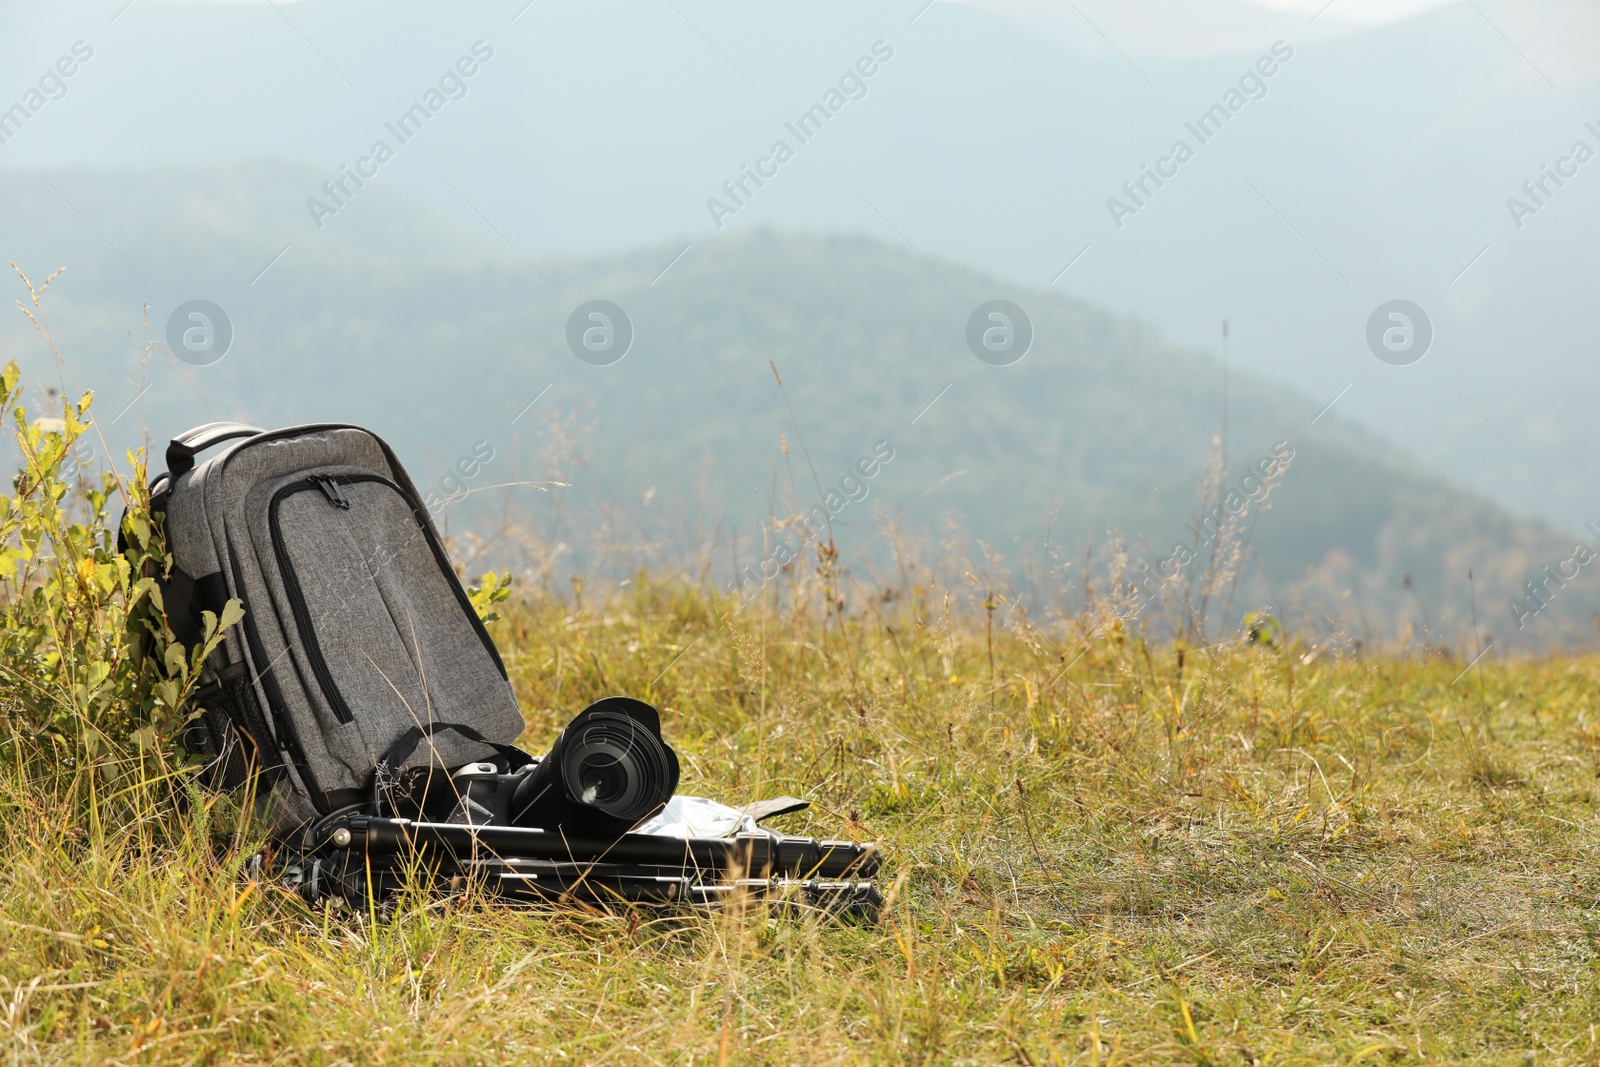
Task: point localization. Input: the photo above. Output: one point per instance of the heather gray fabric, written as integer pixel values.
(388, 622)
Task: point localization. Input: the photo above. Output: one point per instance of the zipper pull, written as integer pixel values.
(330, 489)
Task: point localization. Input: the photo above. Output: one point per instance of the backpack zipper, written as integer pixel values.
(330, 489)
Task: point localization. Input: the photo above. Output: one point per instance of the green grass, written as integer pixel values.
(1092, 857)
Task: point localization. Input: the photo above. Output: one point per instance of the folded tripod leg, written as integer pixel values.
(793, 874)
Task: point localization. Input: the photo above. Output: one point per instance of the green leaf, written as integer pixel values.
(232, 613)
(9, 558)
(177, 662)
(139, 527)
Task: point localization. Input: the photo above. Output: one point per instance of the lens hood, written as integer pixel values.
(608, 771)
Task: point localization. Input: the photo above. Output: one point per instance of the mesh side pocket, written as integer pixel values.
(212, 736)
(245, 711)
(233, 733)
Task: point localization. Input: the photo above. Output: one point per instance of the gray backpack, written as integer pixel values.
(360, 660)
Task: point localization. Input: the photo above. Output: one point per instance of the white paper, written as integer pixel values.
(697, 817)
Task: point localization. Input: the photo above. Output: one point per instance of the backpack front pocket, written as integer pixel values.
(386, 631)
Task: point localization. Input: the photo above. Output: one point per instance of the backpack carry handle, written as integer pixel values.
(182, 449)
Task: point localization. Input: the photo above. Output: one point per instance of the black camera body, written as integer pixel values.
(607, 772)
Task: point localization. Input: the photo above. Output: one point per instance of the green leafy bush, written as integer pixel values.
(93, 684)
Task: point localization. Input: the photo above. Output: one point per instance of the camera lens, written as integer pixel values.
(616, 764)
(608, 770)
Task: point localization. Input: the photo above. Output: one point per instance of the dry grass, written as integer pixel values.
(1091, 860)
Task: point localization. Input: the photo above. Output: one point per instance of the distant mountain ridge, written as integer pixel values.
(452, 345)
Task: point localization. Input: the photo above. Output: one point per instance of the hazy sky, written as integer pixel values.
(1568, 29)
(1365, 11)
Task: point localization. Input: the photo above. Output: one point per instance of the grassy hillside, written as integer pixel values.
(1100, 849)
(1124, 860)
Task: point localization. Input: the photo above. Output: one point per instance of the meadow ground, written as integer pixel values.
(1099, 849)
(1097, 852)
